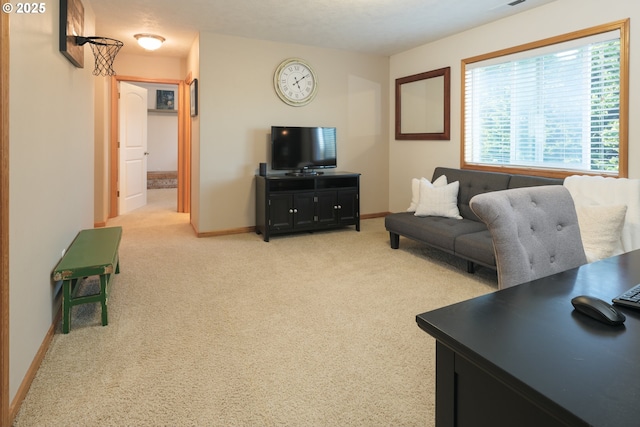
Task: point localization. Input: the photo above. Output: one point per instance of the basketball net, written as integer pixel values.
(104, 51)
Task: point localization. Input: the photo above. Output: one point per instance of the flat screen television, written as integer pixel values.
(303, 149)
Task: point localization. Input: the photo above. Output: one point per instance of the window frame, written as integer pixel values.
(623, 167)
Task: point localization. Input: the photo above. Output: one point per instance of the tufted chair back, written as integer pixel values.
(534, 230)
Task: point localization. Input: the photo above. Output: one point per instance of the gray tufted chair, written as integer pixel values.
(534, 230)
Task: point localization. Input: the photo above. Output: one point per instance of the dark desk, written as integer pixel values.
(522, 356)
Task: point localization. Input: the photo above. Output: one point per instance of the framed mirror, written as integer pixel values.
(423, 105)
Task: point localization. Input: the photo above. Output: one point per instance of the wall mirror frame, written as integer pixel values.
(423, 106)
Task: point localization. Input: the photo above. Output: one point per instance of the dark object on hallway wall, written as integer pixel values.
(72, 40)
(263, 169)
(193, 97)
(165, 100)
(71, 26)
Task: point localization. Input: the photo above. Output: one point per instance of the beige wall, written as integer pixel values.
(152, 66)
(193, 67)
(102, 119)
(162, 130)
(409, 159)
(238, 106)
(51, 173)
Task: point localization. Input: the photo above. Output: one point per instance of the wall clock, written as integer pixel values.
(295, 82)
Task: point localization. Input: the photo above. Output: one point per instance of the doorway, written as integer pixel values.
(162, 141)
(184, 142)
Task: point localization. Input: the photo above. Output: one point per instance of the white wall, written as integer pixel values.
(409, 159)
(51, 173)
(162, 131)
(238, 106)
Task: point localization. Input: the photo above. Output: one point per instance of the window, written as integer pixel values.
(555, 107)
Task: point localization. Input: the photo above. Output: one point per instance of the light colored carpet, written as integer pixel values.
(306, 330)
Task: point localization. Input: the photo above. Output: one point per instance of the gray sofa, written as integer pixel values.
(467, 238)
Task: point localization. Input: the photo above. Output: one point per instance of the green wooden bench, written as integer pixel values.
(92, 253)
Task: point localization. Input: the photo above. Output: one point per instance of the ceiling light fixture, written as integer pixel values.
(149, 41)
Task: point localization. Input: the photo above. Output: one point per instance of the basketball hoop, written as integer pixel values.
(104, 51)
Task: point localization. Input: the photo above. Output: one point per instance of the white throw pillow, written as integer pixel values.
(441, 181)
(439, 201)
(600, 228)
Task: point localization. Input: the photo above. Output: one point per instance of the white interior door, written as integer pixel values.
(132, 182)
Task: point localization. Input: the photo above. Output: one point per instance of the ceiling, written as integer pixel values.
(382, 27)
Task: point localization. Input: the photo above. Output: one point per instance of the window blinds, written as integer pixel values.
(553, 107)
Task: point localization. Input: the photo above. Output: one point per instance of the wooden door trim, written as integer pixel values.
(4, 220)
(184, 150)
(184, 185)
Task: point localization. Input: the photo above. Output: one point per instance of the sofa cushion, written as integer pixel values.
(601, 191)
(477, 247)
(601, 229)
(518, 181)
(434, 230)
(438, 201)
(472, 183)
(415, 190)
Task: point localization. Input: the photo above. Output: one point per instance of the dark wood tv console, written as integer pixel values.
(286, 204)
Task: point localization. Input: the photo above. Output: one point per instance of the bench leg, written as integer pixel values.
(104, 280)
(67, 288)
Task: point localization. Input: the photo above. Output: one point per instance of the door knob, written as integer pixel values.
(146, 153)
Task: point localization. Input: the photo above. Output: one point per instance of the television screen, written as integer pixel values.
(300, 148)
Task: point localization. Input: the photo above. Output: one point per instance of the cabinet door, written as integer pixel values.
(281, 212)
(303, 210)
(326, 208)
(348, 206)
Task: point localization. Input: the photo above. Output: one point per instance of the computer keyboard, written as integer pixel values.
(630, 298)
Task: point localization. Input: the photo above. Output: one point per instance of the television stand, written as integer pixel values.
(293, 203)
(304, 173)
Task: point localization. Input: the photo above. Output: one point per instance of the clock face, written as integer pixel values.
(295, 82)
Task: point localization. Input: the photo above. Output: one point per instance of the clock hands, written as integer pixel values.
(297, 82)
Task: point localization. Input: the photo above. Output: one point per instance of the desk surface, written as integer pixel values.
(530, 338)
